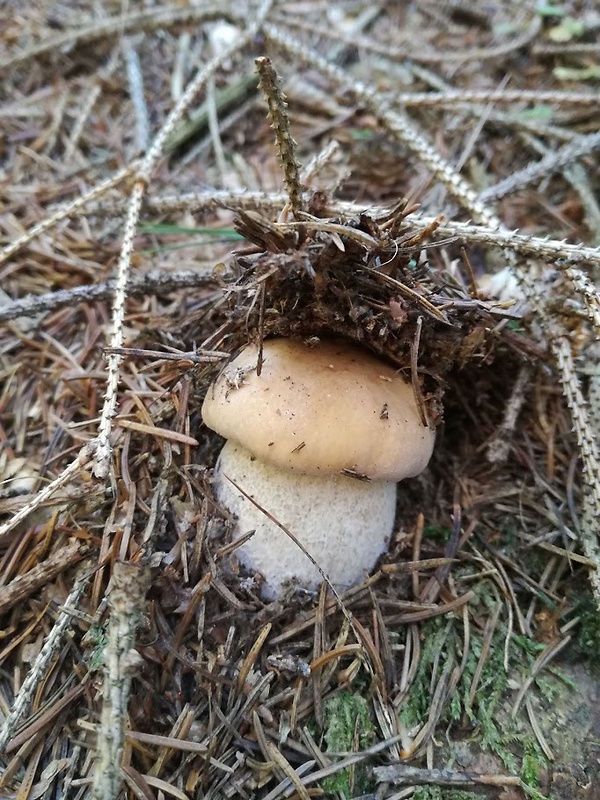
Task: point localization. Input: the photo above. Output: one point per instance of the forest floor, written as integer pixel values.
(441, 208)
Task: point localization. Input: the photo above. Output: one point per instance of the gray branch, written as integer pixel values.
(151, 283)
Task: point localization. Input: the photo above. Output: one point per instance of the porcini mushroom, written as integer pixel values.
(319, 440)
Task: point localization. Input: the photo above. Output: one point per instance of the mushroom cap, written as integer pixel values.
(344, 524)
(327, 409)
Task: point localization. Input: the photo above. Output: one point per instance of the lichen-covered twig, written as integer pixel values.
(135, 81)
(499, 236)
(579, 147)
(40, 575)
(153, 282)
(103, 449)
(417, 54)
(38, 671)
(492, 235)
(450, 97)
(403, 774)
(67, 210)
(83, 458)
(588, 445)
(160, 17)
(90, 98)
(198, 201)
(589, 293)
(499, 447)
(128, 587)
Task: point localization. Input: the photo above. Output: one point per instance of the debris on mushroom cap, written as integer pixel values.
(344, 524)
(328, 409)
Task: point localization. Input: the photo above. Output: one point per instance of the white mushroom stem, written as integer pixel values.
(345, 524)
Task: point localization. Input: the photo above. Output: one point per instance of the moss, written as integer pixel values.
(533, 793)
(531, 764)
(438, 533)
(347, 727)
(416, 706)
(485, 714)
(588, 634)
(437, 793)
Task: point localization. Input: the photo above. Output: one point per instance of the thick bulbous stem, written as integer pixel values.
(345, 524)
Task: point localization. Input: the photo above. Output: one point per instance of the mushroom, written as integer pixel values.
(318, 440)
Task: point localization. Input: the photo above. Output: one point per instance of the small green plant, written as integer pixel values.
(347, 727)
(438, 533)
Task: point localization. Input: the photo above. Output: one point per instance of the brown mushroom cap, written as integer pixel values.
(328, 409)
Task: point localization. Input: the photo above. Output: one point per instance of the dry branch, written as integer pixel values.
(154, 282)
(405, 775)
(128, 588)
(24, 585)
(286, 145)
(39, 668)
